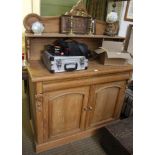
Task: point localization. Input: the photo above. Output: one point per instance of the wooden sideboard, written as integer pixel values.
(72, 105)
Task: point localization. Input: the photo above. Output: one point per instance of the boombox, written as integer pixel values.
(65, 56)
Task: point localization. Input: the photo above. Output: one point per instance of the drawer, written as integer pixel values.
(57, 85)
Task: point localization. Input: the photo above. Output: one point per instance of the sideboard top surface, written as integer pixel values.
(49, 35)
(38, 72)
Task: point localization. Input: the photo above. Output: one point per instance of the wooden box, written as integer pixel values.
(80, 25)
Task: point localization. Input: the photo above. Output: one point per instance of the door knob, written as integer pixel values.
(85, 108)
(90, 108)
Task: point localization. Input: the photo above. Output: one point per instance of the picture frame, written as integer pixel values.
(129, 11)
(81, 24)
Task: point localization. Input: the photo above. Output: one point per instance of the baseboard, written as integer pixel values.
(68, 139)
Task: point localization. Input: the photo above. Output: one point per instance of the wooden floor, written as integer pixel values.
(88, 146)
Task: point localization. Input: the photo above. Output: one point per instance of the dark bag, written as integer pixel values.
(72, 48)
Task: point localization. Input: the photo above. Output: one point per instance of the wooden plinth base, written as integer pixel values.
(68, 139)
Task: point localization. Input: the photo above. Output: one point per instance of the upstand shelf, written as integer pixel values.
(60, 35)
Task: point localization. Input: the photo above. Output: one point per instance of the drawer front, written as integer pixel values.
(58, 85)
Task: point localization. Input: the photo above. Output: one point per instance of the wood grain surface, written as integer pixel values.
(65, 111)
(38, 72)
(71, 105)
(52, 23)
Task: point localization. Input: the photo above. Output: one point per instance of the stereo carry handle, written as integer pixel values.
(69, 66)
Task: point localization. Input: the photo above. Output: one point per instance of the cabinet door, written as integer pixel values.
(64, 111)
(105, 103)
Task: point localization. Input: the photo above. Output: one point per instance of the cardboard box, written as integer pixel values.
(113, 46)
(112, 58)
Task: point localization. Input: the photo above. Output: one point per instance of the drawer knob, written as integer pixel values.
(90, 108)
(85, 108)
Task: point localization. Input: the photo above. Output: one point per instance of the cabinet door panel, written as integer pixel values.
(62, 113)
(106, 101)
(65, 112)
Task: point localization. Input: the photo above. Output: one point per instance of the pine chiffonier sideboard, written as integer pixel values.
(69, 106)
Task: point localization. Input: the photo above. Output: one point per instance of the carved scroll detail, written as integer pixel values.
(27, 43)
(39, 99)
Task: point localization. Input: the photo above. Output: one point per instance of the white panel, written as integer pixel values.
(123, 24)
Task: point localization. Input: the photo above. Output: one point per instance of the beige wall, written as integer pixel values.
(30, 6)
